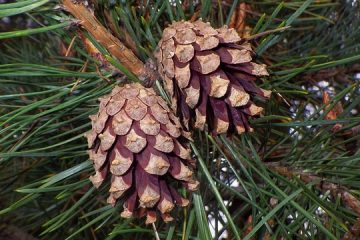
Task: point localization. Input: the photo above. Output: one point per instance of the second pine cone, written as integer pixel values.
(209, 76)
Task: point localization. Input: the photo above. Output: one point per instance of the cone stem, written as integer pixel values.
(155, 232)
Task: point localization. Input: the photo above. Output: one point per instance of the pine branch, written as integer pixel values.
(125, 56)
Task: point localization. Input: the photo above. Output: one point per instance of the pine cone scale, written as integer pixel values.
(119, 184)
(100, 121)
(120, 160)
(237, 96)
(185, 36)
(107, 138)
(184, 53)
(121, 123)
(182, 73)
(113, 107)
(233, 55)
(218, 84)
(206, 43)
(149, 125)
(221, 118)
(200, 112)
(168, 33)
(205, 62)
(192, 94)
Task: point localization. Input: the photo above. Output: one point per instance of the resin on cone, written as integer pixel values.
(139, 143)
(210, 76)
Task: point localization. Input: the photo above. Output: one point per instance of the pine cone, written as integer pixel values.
(139, 141)
(209, 77)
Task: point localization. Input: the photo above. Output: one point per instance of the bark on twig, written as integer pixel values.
(115, 47)
(96, 54)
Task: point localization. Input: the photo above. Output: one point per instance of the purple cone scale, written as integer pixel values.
(138, 143)
(209, 75)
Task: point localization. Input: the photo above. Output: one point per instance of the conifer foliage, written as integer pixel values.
(184, 140)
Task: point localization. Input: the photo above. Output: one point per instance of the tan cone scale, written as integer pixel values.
(139, 142)
(210, 76)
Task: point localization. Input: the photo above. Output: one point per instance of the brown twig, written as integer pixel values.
(124, 55)
(348, 199)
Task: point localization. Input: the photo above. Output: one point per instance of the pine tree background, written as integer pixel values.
(297, 176)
